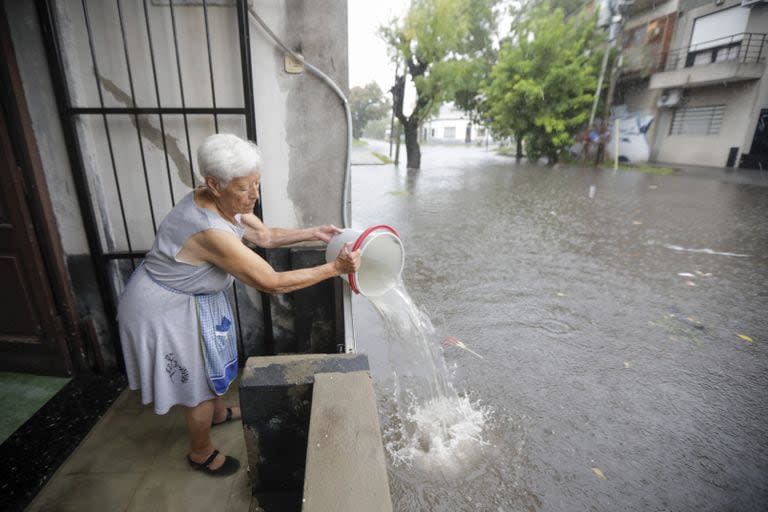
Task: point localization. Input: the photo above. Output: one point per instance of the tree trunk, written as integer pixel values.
(412, 146)
(519, 155)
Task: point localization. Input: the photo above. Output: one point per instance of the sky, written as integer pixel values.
(368, 60)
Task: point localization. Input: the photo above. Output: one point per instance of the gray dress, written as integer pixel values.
(157, 317)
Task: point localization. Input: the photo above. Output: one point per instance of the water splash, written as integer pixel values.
(432, 426)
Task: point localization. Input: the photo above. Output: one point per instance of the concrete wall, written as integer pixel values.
(300, 124)
(300, 121)
(709, 150)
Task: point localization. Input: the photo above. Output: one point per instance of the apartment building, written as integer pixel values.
(699, 68)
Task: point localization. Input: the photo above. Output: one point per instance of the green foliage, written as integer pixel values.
(543, 84)
(444, 49)
(367, 104)
(377, 129)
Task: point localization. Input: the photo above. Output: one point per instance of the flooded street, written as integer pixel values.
(621, 318)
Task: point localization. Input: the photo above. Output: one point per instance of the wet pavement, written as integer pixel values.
(621, 317)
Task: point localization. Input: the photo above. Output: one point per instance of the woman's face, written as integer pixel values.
(241, 194)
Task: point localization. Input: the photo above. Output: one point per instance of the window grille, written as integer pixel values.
(139, 85)
(697, 120)
(449, 132)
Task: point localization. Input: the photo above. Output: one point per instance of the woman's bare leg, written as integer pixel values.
(220, 410)
(199, 425)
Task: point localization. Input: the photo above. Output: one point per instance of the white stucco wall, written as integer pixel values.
(709, 150)
(41, 105)
(300, 124)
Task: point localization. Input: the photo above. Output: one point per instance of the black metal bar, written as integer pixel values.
(181, 90)
(136, 118)
(122, 255)
(760, 49)
(210, 67)
(156, 110)
(245, 59)
(106, 123)
(54, 56)
(250, 128)
(157, 97)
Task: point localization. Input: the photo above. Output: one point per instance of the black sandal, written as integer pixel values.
(230, 466)
(226, 420)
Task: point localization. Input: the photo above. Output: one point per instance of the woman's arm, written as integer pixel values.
(256, 232)
(228, 253)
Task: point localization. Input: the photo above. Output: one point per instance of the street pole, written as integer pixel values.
(616, 33)
(599, 85)
(392, 117)
(397, 145)
(616, 146)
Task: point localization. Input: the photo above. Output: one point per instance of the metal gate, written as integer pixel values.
(139, 85)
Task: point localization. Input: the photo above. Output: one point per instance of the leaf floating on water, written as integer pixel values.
(653, 187)
(599, 473)
(637, 222)
(626, 364)
(690, 283)
(399, 193)
(561, 294)
(745, 338)
(450, 340)
(685, 274)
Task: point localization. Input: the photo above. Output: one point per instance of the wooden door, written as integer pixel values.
(31, 332)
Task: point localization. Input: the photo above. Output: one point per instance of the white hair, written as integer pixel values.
(225, 156)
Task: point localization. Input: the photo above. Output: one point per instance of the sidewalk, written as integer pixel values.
(724, 174)
(135, 460)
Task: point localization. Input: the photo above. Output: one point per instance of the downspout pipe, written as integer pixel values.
(345, 202)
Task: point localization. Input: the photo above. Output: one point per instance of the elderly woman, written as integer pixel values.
(176, 325)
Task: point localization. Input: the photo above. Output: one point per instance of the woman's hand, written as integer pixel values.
(347, 262)
(325, 233)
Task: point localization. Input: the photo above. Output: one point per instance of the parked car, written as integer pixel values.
(633, 141)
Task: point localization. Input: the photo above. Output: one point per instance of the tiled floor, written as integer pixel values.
(135, 460)
(21, 395)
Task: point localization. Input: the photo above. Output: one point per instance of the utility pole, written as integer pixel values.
(614, 8)
(392, 117)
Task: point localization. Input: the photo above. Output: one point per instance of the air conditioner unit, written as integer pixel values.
(752, 3)
(670, 98)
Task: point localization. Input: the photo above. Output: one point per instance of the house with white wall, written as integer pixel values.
(452, 126)
(699, 67)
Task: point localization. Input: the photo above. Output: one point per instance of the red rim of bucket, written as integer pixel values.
(351, 277)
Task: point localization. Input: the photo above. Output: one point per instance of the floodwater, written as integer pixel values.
(622, 320)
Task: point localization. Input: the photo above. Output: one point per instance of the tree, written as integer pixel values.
(367, 104)
(543, 84)
(441, 46)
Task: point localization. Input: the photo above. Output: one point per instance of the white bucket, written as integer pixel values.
(381, 258)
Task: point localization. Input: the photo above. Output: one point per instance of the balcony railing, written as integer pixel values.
(744, 47)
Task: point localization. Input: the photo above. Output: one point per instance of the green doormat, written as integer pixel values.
(21, 396)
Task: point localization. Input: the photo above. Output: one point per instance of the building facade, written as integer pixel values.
(698, 67)
(452, 126)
